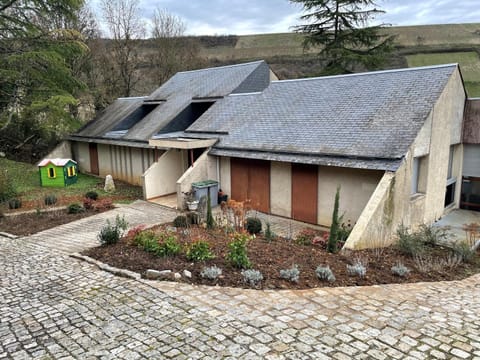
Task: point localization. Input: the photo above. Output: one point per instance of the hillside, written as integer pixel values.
(284, 52)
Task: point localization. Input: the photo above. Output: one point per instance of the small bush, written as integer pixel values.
(93, 195)
(134, 232)
(50, 199)
(253, 225)
(343, 232)
(305, 237)
(7, 188)
(75, 208)
(237, 251)
(147, 240)
(464, 251)
(193, 218)
(88, 203)
(252, 277)
(291, 274)
(168, 245)
(111, 233)
(199, 251)
(400, 270)
(14, 204)
(269, 234)
(102, 205)
(408, 243)
(325, 273)
(358, 268)
(180, 221)
(211, 272)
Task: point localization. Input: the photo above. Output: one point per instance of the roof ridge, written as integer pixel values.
(370, 73)
(221, 67)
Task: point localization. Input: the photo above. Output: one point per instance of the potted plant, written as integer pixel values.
(190, 200)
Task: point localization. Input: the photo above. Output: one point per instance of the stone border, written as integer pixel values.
(105, 267)
(8, 236)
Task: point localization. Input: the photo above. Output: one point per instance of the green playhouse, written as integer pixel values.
(57, 172)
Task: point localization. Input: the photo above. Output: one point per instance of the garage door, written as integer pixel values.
(251, 180)
(471, 160)
(304, 192)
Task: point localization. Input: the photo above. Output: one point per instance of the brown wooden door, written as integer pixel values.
(92, 147)
(304, 192)
(251, 180)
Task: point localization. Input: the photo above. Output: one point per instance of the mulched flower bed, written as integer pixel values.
(270, 257)
(31, 223)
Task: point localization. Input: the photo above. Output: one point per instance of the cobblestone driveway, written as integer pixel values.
(53, 306)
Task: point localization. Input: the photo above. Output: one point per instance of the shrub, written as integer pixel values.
(199, 251)
(430, 235)
(252, 277)
(400, 270)
(111, 233)
(344, 230)
(358, 268)
(193, 218)
(75, 208)
(325, 273)
(237, 251)
(14, 204)
(291, 274)
(93, 195)
(168, 244)
(321, 240)
(334, 228)
(147, 240)
(269, 234)
(253, 225)
(409, 243)
(211, 272)
(464, 251)
(210, 220)
(180, 221)
(132, 233)
(305, 236)
(102, 205)
(88, 203)
(50, 199)
(7, 188)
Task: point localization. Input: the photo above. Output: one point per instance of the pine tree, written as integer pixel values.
(339, 28)
(333, 238)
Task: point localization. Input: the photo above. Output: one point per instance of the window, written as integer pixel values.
(51, 173)
(451, 179)
(419, 175)
(71, 171)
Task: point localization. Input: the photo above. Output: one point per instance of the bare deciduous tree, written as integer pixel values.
(173, 51)
(124, 23)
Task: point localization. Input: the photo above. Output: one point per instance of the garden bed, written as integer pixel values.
(33, 222)
(271, 257)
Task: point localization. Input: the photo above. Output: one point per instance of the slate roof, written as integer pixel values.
(173, 96)
(471, 123)
(365, 117)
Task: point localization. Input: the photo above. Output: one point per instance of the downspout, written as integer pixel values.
(218, 170)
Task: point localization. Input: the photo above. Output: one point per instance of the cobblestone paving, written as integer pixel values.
(53, 306)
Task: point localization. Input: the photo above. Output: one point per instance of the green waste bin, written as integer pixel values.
(204, 188)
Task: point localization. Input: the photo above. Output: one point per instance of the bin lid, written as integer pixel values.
(205, 183)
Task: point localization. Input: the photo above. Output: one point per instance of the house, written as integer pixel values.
(470, 197)
(57, 172)
(392, 140)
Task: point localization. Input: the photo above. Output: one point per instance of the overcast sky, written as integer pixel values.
(240, 17)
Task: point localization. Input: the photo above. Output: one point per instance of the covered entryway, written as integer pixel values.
(92, 147)
(470, 198)
(251, 180)
(304, 192)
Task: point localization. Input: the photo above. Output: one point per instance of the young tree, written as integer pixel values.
(333, 237)
(340, 29)
(125, 25)
(172, 51)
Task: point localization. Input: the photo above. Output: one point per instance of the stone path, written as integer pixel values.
(53, 306)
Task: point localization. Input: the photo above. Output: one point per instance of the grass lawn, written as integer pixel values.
(26, 180)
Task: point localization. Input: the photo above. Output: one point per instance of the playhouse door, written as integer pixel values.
(92, 147)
